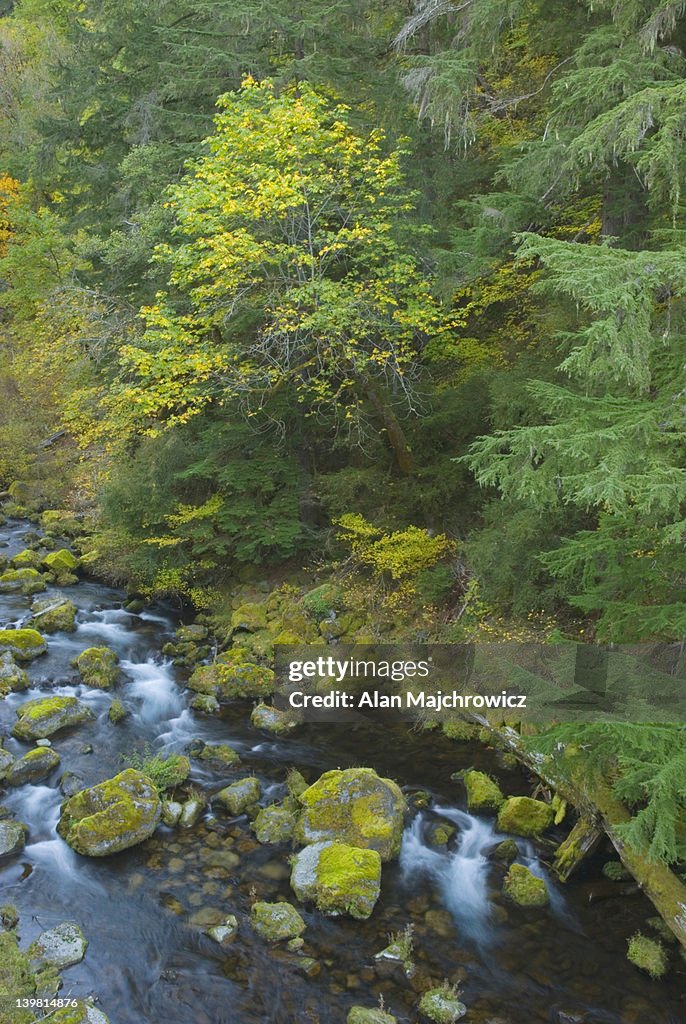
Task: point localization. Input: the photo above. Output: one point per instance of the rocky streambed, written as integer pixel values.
(274, 880)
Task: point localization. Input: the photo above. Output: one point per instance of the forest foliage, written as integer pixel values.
(402, 283)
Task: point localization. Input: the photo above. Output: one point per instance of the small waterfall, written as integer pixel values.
(154, 685)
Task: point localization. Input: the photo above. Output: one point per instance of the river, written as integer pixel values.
(143, 911)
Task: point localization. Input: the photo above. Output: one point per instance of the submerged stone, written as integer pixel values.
(276, 921)
(524, 816)
(34, 766)
(240, 795)
(524, 888)
(111, 816)
(355, 807)
(23, 644)
(483, 792)
(337, 878)
(225, 931)
(191, 811)
(46, 715)
(98, 667)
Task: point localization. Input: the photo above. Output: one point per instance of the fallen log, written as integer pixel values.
(579, 844)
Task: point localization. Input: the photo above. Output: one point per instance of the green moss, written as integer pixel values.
(28, 581)
(24, 644)
(117, 712)
(525, 889)
(276, 922)
(61, 562)
(615, 871)
(46, 715)
(483, 792)
(459, 730)
(164, 772)
(111, 816)
(98, 667)
(524, 816)
(27, 559)
(362, 1015)
(240, 795)
(648, 954)
(54, 616)
(274, 825)
(250, 617)
(219, 754)
(323, 600)
(506, 851)
(442, 1005)
(16, 980)
(348, 879)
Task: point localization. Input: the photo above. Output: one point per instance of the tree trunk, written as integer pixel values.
(394, 431)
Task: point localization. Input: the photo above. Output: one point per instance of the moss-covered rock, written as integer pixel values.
(23, 644)
(206, 704)
(523, 888)
(483, 792)
(34, 766)
(6, 762)
(274, 824)
(459, 730)
(648, 954)
(61, 562)
(191, 810)
(362, 1015)
(59, 522)
(26, 581)
(98, 667)
(250, 617)
(337, 878)
(439, 833)
(83, 1013)
(46, 715)
(195, 633)
(27, 559)
(12, 678)
(12, 838)
(224, 932)
(111, 816)
(117, 712)
(615, 871)
(505, 852)
(276, 922)
(234, 677)
(323, 600)
(296, 783)
(524, 816)
(16, 981)
(240, 795)
(217, 755)
(273, 720)
(53, 615)
(61, 946)
(355, 807)
(442, 1005)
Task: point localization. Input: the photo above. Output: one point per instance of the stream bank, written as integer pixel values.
(145, 911)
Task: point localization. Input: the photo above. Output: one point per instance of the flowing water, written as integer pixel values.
(144, 911)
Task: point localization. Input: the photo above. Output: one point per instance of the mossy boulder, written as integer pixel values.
(233, 677)
(273, 720)
(250, 617)
(23, 644)
(34, 766)
(276, 922)
(61, 562)
(61, 946)
(12, 678)
(98, 667)
(323, 601)
(27, 559)
(46, 715)
(361, 1015)
(483, 792)
(12, 838)
(274, 825)
(505, 852)
(53, 616)
(355, 807)
(337, 878)
(196, 632)
(111, 816)
(240, 795)
(217, 755)
(117, 712)
(525, 817)
(26, 581)
(524, 888)
(60, 523)
(442, 1005)
(648, 954)
(206, 704)
(439, 833)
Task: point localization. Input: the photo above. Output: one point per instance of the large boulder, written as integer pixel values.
(12, 838)
(27, 559)
(34, 766)
(98, 667)
(12, 678)
(44, 716)
(23, 644)
(337, 878)
(233, 677)
(61, 562)
(356, 807)
(525, 817)
(54, 615)
(111, 816)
